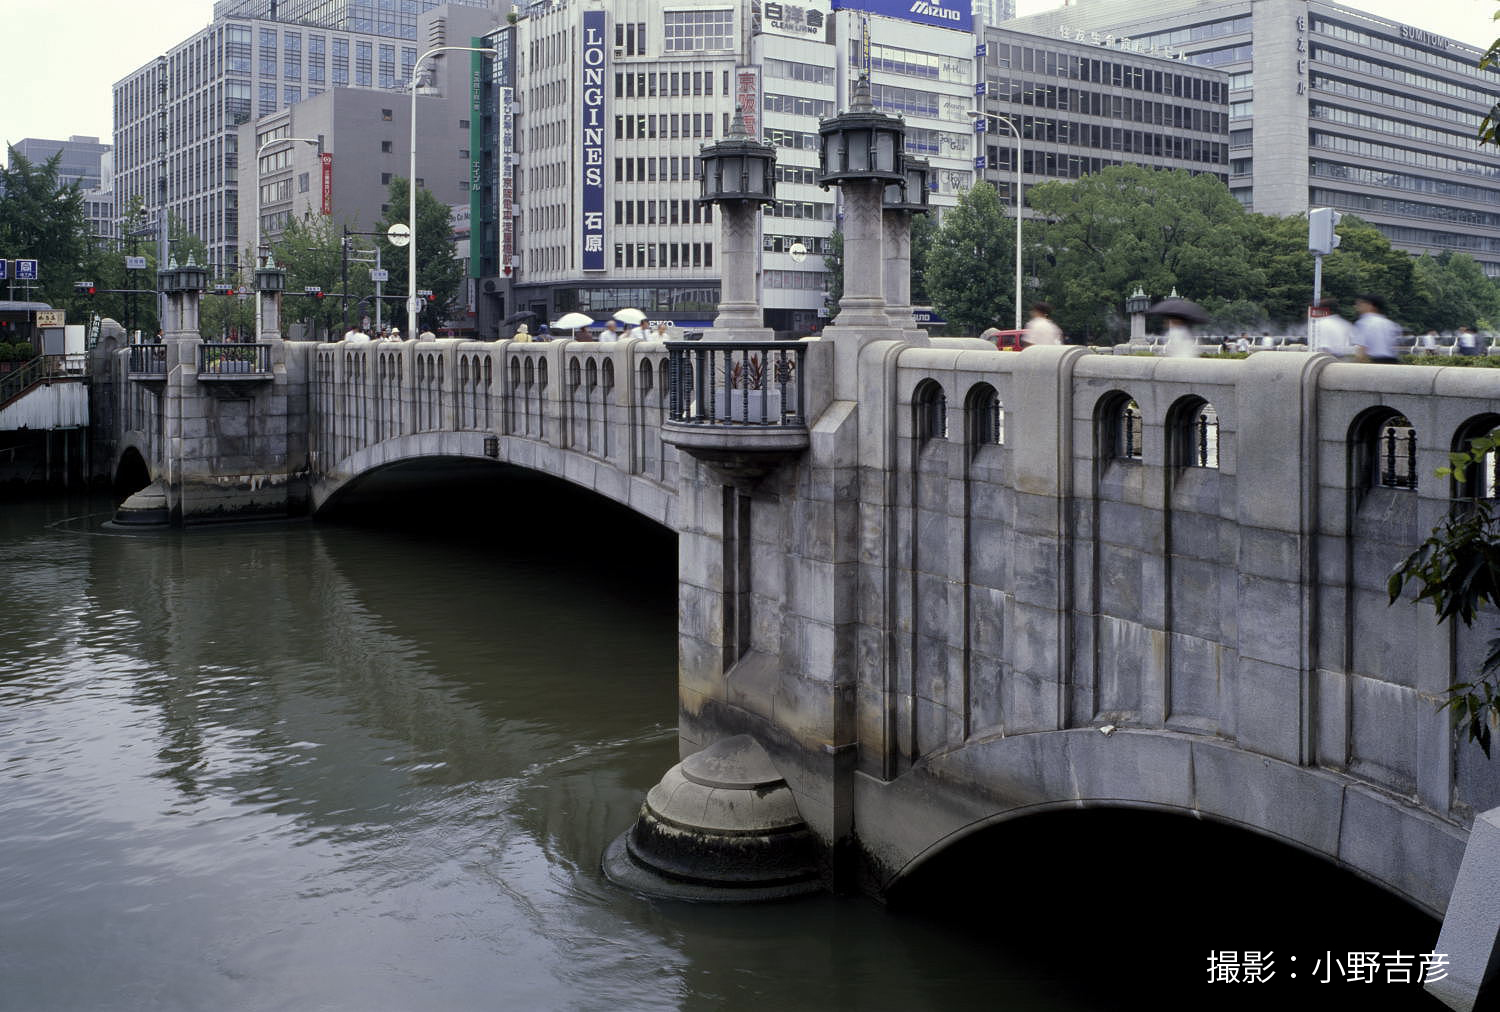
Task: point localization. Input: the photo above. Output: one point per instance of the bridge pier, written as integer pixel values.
(1471, 927)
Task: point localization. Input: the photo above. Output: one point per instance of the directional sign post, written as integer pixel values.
(26, 270)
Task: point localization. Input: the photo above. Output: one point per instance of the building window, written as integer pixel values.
(303, 182)
(698, 31)
(385, 180)
(385, 114)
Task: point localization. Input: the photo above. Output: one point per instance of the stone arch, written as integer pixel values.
(1482, 480)
(132, 472)
(1192, 433)
(957, 792)
(929, 406)
(1382, 451)
(1119, 428)
(984, 417)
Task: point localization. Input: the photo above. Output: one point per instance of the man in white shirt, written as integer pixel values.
(1374, 333)
(610, 332)
(1332, 333)
(1040, 329)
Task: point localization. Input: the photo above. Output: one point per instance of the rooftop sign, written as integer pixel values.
(955, 14)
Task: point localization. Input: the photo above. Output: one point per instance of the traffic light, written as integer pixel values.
(1320, 235)
(84, 288)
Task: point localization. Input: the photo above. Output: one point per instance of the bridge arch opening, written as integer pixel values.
(1123, 906)
(131, 474)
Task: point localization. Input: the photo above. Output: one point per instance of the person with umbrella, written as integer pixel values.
(1180, 315)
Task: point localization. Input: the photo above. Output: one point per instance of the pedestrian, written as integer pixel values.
(395, 334)
(523, 335)
(1468, 341)
(1375, 335)
(1429, 342)
(661, 331)
(610, 332)
(1180, 341)
(1040, 329)
(543, 332)
(1331, 333)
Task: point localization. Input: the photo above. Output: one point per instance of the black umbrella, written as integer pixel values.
(1181, 308)
(519, 317)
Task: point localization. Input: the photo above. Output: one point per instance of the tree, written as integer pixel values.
(437, 268)
(310, 250)
(1129, 225)
(923, 228)
(833, 260)
(969, 262)
(41, 219)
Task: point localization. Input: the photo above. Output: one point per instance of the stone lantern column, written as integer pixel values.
(739, 175)
(902, 201)
(270, 280)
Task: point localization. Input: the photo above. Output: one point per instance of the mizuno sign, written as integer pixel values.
(955, 14)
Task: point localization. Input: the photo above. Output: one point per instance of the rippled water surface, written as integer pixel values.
(373, 767)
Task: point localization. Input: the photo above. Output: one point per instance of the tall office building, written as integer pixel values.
(177, 117)
(992, 12)
(78, 158)
(603, 180)
(1331, 106)
(1080, 108)
(386, 18)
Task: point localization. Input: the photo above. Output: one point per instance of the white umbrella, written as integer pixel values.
(631, 317)
(572, 321)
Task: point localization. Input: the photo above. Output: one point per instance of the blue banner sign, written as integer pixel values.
(592, 94)
(927, 317)
(956, 14)
(4, 270)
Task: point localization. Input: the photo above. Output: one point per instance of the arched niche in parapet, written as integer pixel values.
(929, 406)
(984, 418)
(1193, 433)
(1481, 480)
(1382, 453)
(1119, 430)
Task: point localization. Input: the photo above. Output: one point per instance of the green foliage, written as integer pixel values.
(969, 269)
(42, 219)
(1126, 225)
(834, 261)
(1457, 569)
(923, 229)
(437, 267)
(310, 251)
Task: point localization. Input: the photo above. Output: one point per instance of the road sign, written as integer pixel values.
(398, 234)
(51, 318)
(26, 270)
(135, 263)
(312, 289)
(414, 304)
(379, 274)
(4, 270)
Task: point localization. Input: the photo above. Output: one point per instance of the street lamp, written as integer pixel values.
(258, 152)
(413, 303)
(980, 119)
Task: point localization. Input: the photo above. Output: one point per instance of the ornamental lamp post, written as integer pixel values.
(901, 201)
(739, 175)
(413, 300)
(1136, 305)
(860, 152)
(269, 280)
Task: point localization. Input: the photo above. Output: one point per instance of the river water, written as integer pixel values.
(373, 766)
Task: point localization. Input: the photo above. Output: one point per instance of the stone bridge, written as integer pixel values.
(942, 586)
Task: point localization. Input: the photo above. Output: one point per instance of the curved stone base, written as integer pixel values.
(721, 826)
(146, 508)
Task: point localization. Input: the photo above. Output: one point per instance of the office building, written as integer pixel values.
(79, 161)
(1330, 106)
(387, 18)
(177, 118)
(1081, 108)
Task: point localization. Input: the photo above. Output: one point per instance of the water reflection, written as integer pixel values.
(374, 766)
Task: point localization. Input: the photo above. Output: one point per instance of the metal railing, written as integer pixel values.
(229, 360)
(148, 360)
(40, 369)
(723, 383)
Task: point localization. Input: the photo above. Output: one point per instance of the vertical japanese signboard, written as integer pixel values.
(476, 157)
(326, 158)
(507, 181)
(592, 94)
(747, 97)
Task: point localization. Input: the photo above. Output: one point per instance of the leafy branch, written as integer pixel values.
(1458, 569)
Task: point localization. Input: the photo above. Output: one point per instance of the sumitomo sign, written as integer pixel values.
(956, 14)
(592, 150)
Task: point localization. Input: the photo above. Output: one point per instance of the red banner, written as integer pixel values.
(327, 159)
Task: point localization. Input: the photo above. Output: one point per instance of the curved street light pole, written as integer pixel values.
(256, 258)
(412, 303)
(1010, 124)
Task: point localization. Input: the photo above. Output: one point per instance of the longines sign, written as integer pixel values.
(592, 96)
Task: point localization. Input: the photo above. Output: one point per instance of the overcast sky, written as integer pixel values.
(65, 55)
